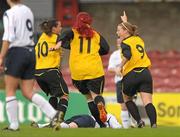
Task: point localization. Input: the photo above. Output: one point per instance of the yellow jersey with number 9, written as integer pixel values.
(46, 59)
(85, 61)
(139, 57)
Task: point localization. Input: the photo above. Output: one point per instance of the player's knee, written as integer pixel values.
(64, 97)
(146, 102)
(88, 97)
(28, 95)
(99, 99)
(127, 98)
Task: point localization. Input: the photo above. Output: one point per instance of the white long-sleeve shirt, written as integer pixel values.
(18, 26)
(114, 61)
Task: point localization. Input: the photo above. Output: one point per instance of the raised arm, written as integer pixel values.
(124, 17)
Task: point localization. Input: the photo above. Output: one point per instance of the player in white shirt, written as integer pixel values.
(114, 62)
(18, 48)
(83, 121)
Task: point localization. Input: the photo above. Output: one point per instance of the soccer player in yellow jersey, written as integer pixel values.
(136, 75)
(86, 47)
(47, 74)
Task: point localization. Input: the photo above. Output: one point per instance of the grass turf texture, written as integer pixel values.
(27, 131)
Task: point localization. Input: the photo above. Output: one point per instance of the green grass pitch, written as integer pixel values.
(27, 131)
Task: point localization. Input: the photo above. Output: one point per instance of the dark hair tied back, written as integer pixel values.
(132, 29)
(47, 26)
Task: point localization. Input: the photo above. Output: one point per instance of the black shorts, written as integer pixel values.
(136, 81)
(51, 82)
(20, 62)
(83, 121)
(85, 86)
(119, 92)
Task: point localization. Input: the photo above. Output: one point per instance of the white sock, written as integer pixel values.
(112, 121)
(43, 125)
(12, 112)
(64, 125)
(44, 105)
(125, 119)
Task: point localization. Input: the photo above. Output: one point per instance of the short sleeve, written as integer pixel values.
(126, 51)
(66, 38)
(9, 29)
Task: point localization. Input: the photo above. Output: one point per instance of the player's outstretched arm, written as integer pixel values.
(56, 47)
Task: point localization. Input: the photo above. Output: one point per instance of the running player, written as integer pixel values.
(86, 48)
(18, 48)
(48, 73)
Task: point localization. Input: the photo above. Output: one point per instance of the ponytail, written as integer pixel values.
(82, 25)
(132, 29)
(47, 26)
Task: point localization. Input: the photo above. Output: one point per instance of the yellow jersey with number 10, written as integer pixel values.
(139, 57)
(85, 61)
(46, 59)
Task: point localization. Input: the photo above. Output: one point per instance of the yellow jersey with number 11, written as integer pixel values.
(85, 61)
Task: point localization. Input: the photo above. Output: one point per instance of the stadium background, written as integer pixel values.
(159, 24)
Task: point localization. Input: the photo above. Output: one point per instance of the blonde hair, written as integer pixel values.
(132, 29)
